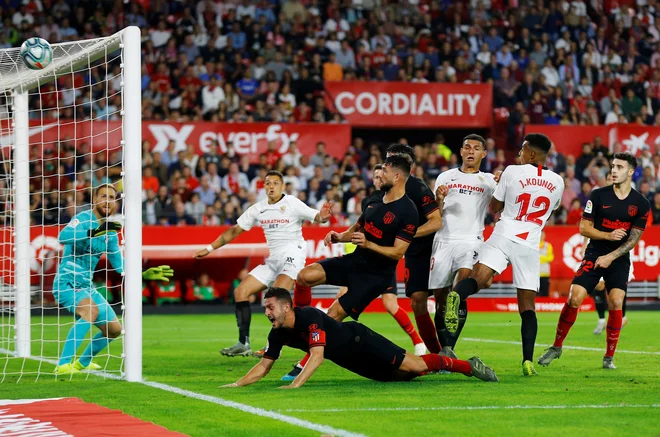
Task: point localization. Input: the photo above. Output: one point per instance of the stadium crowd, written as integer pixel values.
(555, 62)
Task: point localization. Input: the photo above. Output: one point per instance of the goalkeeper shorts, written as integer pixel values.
(69, 298)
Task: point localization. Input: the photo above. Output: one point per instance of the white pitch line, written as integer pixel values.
(470, 408)
(325, 429)
(580, 348)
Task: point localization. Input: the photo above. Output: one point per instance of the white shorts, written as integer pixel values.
(448, 258)
(287, 262)
(498, 252)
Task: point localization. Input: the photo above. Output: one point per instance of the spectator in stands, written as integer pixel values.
(180, 216)
(575, 213)
(235, 180)
(655, 208)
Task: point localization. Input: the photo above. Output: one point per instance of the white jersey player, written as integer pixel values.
(463, 195)
(527, 194)
(281, 217)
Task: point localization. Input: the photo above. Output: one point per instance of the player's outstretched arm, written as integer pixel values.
(324, 214)
(223, 239)
(315, 360)
(588, 230)
(260, 370)
(395, 252)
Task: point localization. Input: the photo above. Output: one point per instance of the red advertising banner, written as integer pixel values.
(180, 246)
(569, 139)
(246, 138)
(402, 105)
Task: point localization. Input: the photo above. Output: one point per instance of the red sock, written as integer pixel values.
(404, 321)
(436, 363)
(614, 322)
(302, 362)
(302, 296)
(566, 320)
(427, 332)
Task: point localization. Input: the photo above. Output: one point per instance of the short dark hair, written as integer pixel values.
(539, 142)
(100, 187)
(402, 149)
(275, 173)
(378, 167)
(628, 157)
(402, 162)
(475, 137)
(279, 293)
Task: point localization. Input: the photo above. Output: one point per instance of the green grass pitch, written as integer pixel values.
(182, 351)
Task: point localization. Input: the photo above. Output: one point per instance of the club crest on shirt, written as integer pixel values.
(632, 210)
(283, 208)
(389, 218)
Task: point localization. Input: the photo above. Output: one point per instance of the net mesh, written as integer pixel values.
(75, 144)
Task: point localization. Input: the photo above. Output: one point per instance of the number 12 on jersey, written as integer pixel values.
(524, 215)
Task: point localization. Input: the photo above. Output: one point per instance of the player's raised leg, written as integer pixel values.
(390, 302)
(249, 286)
(480, 277)
(566, 320)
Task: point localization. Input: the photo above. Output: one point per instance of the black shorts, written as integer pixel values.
(418, 268)
(363, 286)
(375, 358)
(615, 276)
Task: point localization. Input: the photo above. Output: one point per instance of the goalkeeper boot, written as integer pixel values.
(600, 326)
(292, 374)
(451, 312)
(481, 370)
(237, 350)
(608, 363)
(65, 369)
(528, 368)
(550, 354)
(91, 366)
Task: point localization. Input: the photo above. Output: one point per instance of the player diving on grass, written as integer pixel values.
(463, 195)
(614, 219)
(281, 217)
(350, 345)
(527, 194)
(86, 238)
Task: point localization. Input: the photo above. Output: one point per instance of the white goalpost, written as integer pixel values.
(64, 130)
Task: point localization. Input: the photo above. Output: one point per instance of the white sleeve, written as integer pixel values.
(500, 191)
(492, 183)
(560, 192)
(303, 211)
(441, 180)
(248, 218)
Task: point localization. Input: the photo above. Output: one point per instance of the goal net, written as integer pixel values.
(64, 131)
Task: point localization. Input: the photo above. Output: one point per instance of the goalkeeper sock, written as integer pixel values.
(76, 335)
(98, 343)
(243, 319)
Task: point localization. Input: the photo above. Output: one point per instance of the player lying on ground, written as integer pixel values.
(281, 217)
(350, 345)
(85, 239)
(463, 195)
(528, 193)
(418, 255)
(614, 219)
(382, 234)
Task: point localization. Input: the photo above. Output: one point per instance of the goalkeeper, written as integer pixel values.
(85, 239)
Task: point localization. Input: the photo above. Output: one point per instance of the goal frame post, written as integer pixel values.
(20, 82)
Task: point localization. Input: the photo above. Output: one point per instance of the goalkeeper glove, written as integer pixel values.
(104, 228)
(160, 273)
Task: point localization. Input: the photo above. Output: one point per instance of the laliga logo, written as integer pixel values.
(43, 253)
(243, 142)
(642, 253)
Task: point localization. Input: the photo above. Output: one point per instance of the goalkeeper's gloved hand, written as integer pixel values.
(105, 228)
(160, 273)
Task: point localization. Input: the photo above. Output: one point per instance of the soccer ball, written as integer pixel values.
(36, 53)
